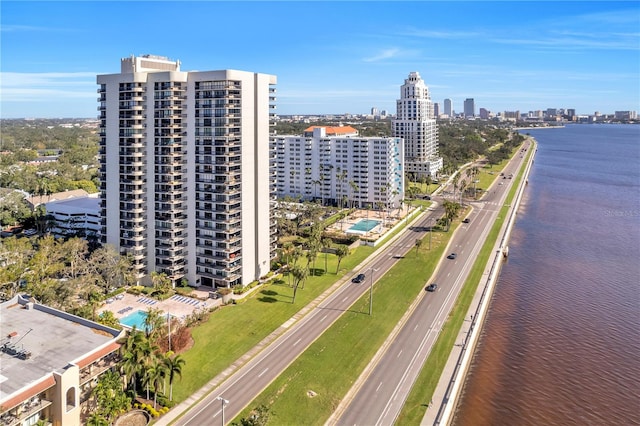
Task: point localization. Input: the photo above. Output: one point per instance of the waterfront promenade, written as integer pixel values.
(442, 406)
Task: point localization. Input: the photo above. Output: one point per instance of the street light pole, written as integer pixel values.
(223, 403)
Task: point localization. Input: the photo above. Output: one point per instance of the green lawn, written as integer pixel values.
(234, 329)
(330, 366)
(333, 362)
(416, 405)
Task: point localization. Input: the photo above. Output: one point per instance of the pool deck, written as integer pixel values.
(178, 306)
(387, 221)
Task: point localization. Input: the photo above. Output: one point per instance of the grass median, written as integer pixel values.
(421, 393)
(310, 389)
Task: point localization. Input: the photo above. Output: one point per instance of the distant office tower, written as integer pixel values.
(448, 107)
(374, 112)
(484, 113)
(414, 123)
(469, 107)
(436, 110)
(186, 180)
(333, 165)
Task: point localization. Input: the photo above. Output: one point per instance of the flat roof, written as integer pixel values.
(91, 204)
(54, 338)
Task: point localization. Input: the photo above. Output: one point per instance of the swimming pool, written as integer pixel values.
(134, 319)
(364, 226)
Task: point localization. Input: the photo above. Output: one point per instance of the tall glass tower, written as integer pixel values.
(416, 124)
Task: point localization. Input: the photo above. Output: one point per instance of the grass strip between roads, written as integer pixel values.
(233, 330)
(310, 389)
(421, 393)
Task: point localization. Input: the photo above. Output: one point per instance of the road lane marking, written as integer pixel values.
(378, 387)
(263, 371)
(297, 341)
(323, 318)
(399, 353)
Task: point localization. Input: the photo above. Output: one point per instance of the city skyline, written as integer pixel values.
(332, 57)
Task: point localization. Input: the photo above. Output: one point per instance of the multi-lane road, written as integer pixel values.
(392, 378)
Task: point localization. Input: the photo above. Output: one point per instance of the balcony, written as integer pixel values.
(19, 414)
(98, 368)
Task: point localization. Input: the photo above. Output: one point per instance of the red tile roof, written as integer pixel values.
(28, 393)
(112, 347)
(334, 131)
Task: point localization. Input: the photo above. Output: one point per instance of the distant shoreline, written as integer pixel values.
(536, 128)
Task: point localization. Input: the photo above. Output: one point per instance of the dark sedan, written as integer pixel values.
(358, 279)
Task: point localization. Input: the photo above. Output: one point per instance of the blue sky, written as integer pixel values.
(332, 57)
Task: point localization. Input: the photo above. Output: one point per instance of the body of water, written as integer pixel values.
(561, 344)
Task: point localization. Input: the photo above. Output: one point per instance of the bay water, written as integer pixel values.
(561, 343)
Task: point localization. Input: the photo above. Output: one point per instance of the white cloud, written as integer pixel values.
(385, 54)
(20, 87)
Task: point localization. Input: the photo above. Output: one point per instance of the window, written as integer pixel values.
(71, 398)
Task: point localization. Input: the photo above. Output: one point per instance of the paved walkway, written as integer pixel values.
(440, 410)
(178, 306)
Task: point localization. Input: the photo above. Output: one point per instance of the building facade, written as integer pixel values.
(415, 123)
(448, 107)
(334, 165)
(186, 173)
(77, 217)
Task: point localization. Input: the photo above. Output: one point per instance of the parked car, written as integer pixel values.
(452, 256)
(358, 279)
(432, 287)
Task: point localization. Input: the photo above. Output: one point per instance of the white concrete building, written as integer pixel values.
(416, 124)
(336, 166)
(76, 217)
(50, 361)
(185, 170)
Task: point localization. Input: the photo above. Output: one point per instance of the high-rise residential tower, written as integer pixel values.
(186, 174)
(448, 107)
(469, 107)
(415, 123)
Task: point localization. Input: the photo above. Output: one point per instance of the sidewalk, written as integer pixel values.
(187, 404)
(441, 408)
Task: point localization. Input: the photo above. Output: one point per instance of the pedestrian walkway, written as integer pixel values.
(440, 408)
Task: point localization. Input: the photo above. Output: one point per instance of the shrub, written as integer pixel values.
(135, 290)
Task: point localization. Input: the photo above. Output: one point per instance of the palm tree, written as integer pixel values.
(173, 366)
(300, 274)
(355, 188)
(341, 252)
(326, 243)
(155, 376)
(154, 323)
(131, 355)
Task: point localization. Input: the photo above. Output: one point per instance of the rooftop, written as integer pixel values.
(53, 338)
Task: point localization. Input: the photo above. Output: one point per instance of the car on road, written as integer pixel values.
(432, 287)
(466, 220)
(452, 256)
(358, 279)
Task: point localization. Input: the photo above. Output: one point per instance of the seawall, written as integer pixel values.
(442, 406)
